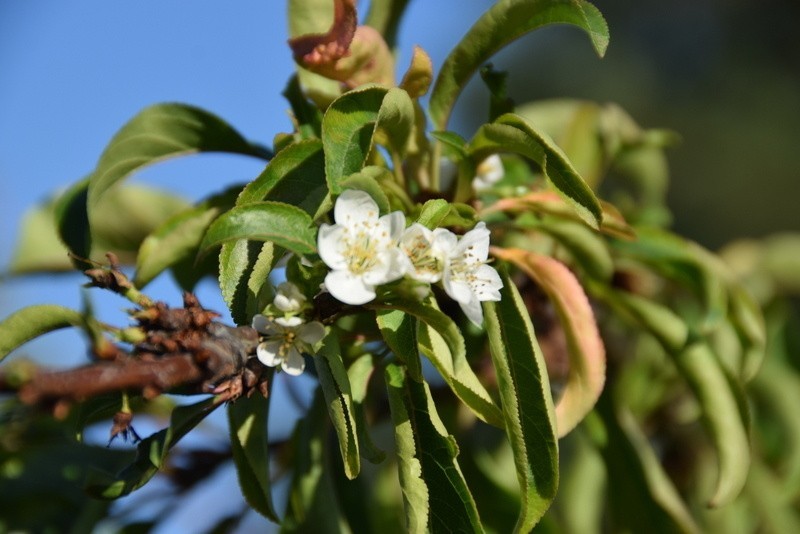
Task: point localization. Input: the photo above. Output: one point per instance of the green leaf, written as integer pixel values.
(456, 143)
(399, 331)
(32, 322)
(749, 323)
(685, 262)
(72, 222)
(527, 402)
(438, 212)
(435, 494)
(296, 175)
(587, 247)
(38, 247)
(244, 268)
(504, 22)
(178, 238)
(512, 133)
(286, 226)
(151, 453)
(347, 130)
(587, 355)
(312, 504)
(723, 418)
(247, 419)
(644, 499)
(336, 388)
(157, 133)
(496, 82)
(396, 120)
(369, 180)
(667, 327)
(307, 115)
(440, 340)
(359, 374)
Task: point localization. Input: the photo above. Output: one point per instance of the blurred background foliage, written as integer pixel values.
(723, 74)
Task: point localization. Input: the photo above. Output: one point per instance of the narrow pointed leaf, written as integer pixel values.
(435, 494)
(286, 226)
(151, 453)
(32, 322)
(512, 133)
(399, 330)
(247, 418)
(359, 374)
(244, 268)
(504, 22)
(440, 340)
(645, 497)
(338, 397)
(723, 417)
(587, 356)
(160, 132)
(527, 402)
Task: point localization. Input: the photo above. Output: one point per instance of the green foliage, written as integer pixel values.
(595, 349)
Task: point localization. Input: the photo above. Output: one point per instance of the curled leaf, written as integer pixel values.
(417, 79)
(587, 355)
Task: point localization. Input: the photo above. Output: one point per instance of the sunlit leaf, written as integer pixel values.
(32, 322)
(336, 388)
(247, 418)
(587, 355)
(385, 16)
(440, 340)
(419, 76)
(285, 225)
(396, 119)
(159, 132)
(434, 491)
(527, 402)
(296, 175)
(399, 331)
(504, 22)
(347, 130)
(512, 133)
(243, 270)
(359, 374)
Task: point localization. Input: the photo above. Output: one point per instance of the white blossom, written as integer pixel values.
(361, 248)
(284, 341)
(289, 299)
(426, 251)
(467, 278)
(489, 172)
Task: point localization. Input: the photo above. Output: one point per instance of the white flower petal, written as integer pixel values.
(394, 223)
(473, 311)
(289, 322)
(487, 283)
(349, 288)
(268, 352)
(311, 333)
(474, 245)
(260, 323)
(444, 240)
(329, 244)
(489, 172)
(457, 288)
(294, 364)
(289, 298)
(353, 207)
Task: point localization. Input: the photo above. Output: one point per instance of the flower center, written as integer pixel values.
(419, 252)
(360, 249)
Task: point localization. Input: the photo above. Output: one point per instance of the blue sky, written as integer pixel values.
(74, 72)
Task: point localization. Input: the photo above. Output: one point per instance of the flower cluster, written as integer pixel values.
(364, 251)
(286, 338)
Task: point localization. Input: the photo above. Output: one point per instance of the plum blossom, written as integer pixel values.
(467, 278)
(489, 172)
(284, 341)
(289, 299)
(426, 251)
(361, 249)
